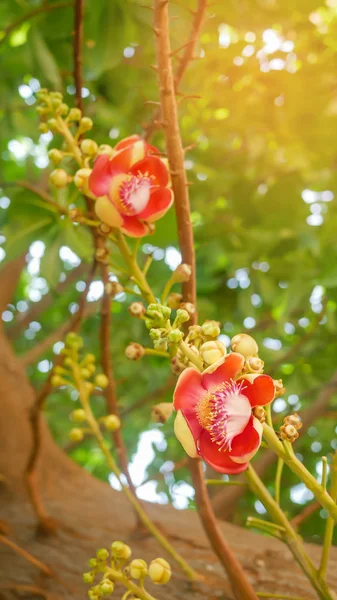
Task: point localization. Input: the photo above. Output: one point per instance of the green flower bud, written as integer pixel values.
(155, 334)
(81, 178)
(134, 351)
(175, 336)
(101, 381)
(85, 373)
(56, 381)
(59, 178)
(92, 595)
(182, 317)
(42, 94)
(43, 128)
(88, 577)
(244, 344)
(182, 274)
(56, 95)
(160, 571)
(211, 329)
(160, 344)
(56, 102)
(90, 357)
(78, 416)
(43, 110)
(85, 124)
(120, 550)
(106, 587)
(102, 554)
(63, 109)
(138, 568)
(73, 339)
(55, 156)
(89, 147)
(76, 434)
(211, 352)
(53, 126)
(112, 422)
(68, 362)
(74, 114)
(92, 563)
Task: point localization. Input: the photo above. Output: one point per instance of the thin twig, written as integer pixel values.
(27, 556)
(45, 8)
(77, 49)
(240, 584)
(27, 185)
(30, 589)
(305, 514)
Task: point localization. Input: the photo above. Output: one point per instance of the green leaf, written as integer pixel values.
(20, 241)
(51, 264)
(79, 240)
(44, 59)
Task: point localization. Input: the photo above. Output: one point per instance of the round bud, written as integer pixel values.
(85, 124)
(68, 362)
(182, 316)
(85, 373)
(288, 433)
(63, 109)
(244, 344)
(211, 329)
(76, 435)
(81, 178)
(88, 577)
(194, 332)
(59, 178)
(56, 96)
(89, 147)
(120, 550)
(137, 309)
(106, 587)
(294, 420)
(101, 381)
(254, 364)
(106, 149)
(90, 357)
(259, 413)
(160, 571)
(53, 126)
(112, 422)
(134, 351)
(92, 595)
(56, 102)
(55, 156)
(212, 352)
(189, 307)
(113, 288)
(279, 388)
(175, 336)
(78, 416)
(74, 114)
(74, 340)
(56, 381)
(174, 300)
(102, 554)
(92, 562)
(161, 412)
(138, 568)
(43, 128)
(182, 273)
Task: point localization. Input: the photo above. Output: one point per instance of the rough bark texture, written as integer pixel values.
(91, 515)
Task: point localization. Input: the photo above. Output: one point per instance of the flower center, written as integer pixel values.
(224, 411)
(134, 194)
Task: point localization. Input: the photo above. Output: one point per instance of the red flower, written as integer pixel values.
(131, 186)
(215, 418)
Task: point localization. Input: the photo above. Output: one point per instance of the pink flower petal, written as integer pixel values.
(259, 389)
(132, 139)
(188, 390)
(238, 413)
(219, 461)
(245, 445)
(100, 177)
(121, 161)
(160, 201)
(228, 369)
(133, 227)
(192, 421)
(154, 167)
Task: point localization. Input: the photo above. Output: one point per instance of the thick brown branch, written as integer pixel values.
(45, 8)
(77, 49)
(9, 277)
(110, 392)
(46, 301)
(240, 584)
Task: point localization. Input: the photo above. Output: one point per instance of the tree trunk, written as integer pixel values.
(91, 515)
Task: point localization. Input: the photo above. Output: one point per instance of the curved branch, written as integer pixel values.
(9, 277)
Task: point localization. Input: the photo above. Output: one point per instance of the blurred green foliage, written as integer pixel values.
(263, 197)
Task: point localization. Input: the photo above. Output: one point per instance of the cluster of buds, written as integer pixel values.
(115, 567)
(246, 345)
(279, 388)
(289, 429)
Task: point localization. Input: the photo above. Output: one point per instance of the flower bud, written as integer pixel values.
(175, 336)
(76, 434)
(174, 300)
(85, 373)
(138, 568)
(106, 149)
(106, 587)
(279, 388)
(194, 332)
(43, 128)
(177, 366)
(244, 344)
(59, 178)
(113, 288)
(161, 412)
(104, 229)
(294, 420)
(160, 571)
(102, 554)
(63, 109)
(134, 351)
(259, 413)
(112, 422)
(85, 124)
(78, 415)
(288, 433)
(92, 562)
(211, 329)
(92, 595)
(137, 309)
(120, 550)
(68, 362)
(182, 317)
(182, 273)
(56, 381)
(254, 364)
(74, 340)
(81, 179)
(88, 577)
(212, 352)
(161, 344)
(55, 156)
(56, 96)
(101, 381)
(53, 126)
(75, 114)
(89, 147)
(189, 307)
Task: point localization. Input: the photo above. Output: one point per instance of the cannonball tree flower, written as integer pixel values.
(215, 417)
(132, 187)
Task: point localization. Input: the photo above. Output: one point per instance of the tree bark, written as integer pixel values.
(92, 515)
